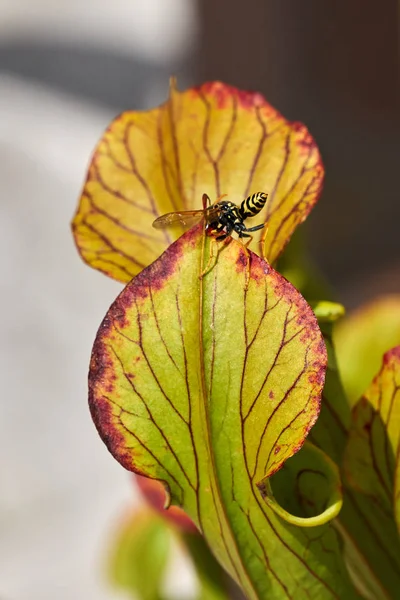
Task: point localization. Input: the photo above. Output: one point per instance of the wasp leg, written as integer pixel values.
(256, 228)
(245, 245)
(215, 230)
(262, 242)
(213, 257)
(247, 242)
(244, 234)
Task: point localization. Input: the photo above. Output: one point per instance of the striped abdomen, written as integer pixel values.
(252, 205)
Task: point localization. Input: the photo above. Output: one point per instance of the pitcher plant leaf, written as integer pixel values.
(209, 382)
(213, 139)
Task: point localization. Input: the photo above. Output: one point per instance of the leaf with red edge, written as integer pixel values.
(371, 460)
(210, 384)
(213, 139)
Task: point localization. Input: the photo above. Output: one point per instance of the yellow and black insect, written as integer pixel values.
(222, 217)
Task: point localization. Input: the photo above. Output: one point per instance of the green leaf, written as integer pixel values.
(371, 460)
(141, 552)
(210, 384)
(362, 339)
(140, 555)
(330, 432)
(372, 554)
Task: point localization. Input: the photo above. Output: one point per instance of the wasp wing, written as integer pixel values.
(185, 218)
(173, 219)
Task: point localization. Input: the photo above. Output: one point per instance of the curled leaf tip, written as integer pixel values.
(307, 491)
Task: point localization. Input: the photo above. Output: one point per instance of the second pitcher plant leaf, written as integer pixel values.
(372, 453)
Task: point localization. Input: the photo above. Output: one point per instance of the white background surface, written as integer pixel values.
(159, 30)
(61, 493)
(60, 489)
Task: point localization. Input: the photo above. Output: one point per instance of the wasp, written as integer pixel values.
(221, 218)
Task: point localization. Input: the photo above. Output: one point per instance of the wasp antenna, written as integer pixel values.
(220, 197)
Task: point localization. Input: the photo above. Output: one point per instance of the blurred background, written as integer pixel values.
(66, 69)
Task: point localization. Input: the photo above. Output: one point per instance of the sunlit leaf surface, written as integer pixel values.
(212, 139)
(209, 385)
(362, 339)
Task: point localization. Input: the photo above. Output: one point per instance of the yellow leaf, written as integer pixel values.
(212, 139)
